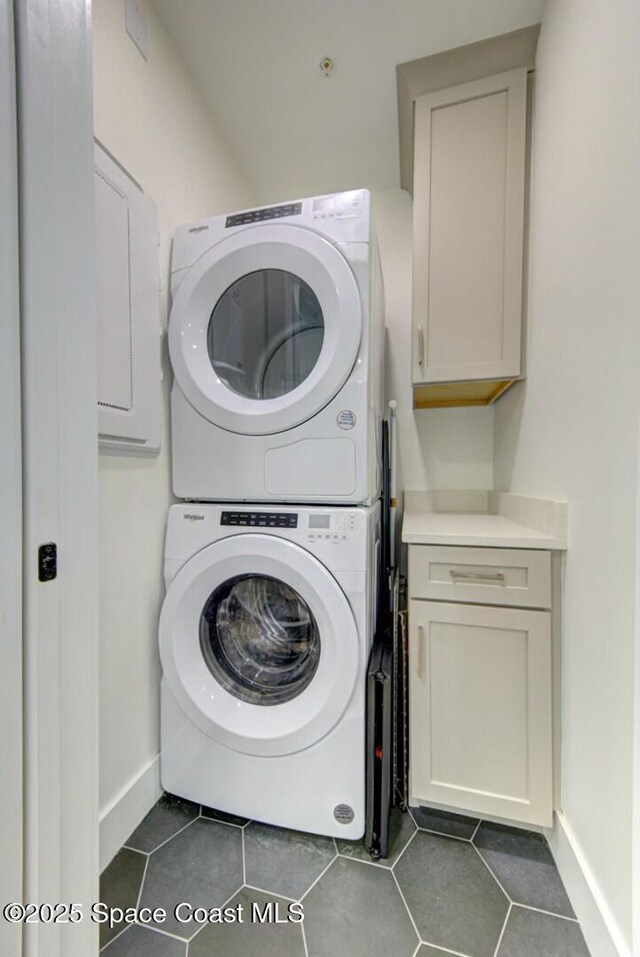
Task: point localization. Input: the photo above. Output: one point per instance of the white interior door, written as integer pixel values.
(11, 498)
(59, 442)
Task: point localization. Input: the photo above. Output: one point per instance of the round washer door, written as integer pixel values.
(265, 329)
(259, 645)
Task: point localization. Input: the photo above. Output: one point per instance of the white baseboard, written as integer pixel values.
(125, 812)
(601, 931)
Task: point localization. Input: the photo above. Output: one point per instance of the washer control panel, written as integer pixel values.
(330, 527)
(260, 519)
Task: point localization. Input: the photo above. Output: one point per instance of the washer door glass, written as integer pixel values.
(259, 639)
(265, 334)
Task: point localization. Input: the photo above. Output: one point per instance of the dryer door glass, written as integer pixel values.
(265, 334)
(259, 639)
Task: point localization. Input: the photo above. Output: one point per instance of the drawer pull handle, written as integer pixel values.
(420, 346)
(420, 652)
(497, 577)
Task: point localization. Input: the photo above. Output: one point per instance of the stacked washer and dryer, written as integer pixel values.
(276, 338)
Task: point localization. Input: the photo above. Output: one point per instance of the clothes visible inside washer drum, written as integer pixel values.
(260, 639)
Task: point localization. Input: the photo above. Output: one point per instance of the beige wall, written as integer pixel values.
(150, 116)
(572, 428)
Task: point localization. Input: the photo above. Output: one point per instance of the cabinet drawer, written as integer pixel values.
(487, 576)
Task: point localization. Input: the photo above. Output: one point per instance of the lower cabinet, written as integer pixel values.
(480, 709)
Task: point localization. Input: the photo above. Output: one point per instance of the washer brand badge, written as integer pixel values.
(346, 419)
(343, 813)
(193, 517)
(198, 229)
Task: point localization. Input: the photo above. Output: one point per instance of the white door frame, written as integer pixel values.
(10, 497)
(59, 428)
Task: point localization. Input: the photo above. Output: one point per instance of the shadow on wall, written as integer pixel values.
(508, 414)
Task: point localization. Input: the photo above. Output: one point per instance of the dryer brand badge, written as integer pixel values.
(193, 517)
(198, 229)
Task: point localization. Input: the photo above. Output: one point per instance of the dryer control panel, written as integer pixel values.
(260, 519)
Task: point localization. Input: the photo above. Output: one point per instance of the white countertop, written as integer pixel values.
(423, 526)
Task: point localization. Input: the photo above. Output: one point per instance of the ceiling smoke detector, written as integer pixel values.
(327, 66)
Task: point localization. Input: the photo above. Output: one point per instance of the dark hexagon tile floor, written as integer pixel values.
(120, 885)
(250, 936)
(401, 830)
(139, 941)
(531, 934)
(452, 896)
(284, 862)
(355, 910)
(461, 885)
(164, 820)
(522, 862)
(201, 866)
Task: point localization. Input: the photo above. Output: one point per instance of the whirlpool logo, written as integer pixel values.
(193, 517)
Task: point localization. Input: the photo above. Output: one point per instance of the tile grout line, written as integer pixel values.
(244, 864)
(200, 929)
(358, 860)
(263, 890)
(144, 874)
(452, 837)
(415, 953)
(403, 850)
(127, 847)
(169, 838)
(372, 863)
(492, 874)
(477, 828)
(406, 906)
(109, 942)
(446, 950)
(321, 874)
(304, 940)
(548, 913)
(165, 933)
(504, 927)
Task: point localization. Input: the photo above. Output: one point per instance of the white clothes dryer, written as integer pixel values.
(265, 634)
(276, 339)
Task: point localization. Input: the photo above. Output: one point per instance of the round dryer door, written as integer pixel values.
(259, 645)
(265, 329)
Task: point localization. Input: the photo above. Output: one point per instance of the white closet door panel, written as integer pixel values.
(128, 310)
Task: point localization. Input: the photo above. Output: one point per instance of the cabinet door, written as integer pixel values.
(480, 709)
(468, 214)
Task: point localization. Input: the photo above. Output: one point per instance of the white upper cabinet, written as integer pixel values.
(468, 214)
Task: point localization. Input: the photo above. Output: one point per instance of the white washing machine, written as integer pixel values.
(265, 635)
(276, 338)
